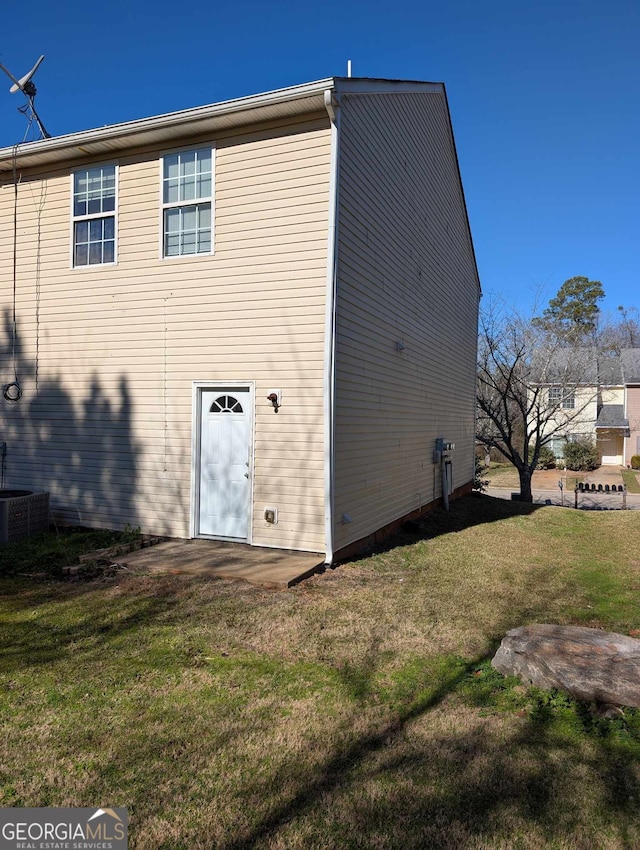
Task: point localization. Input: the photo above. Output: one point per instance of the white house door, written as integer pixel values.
(225, 462)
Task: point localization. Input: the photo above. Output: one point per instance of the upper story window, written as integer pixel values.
(94, 219)
(562, 397)
(187, 192)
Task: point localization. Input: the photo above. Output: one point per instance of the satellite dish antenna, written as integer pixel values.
(22, 83)
(28, 89)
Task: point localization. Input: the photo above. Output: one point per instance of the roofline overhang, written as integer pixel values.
(307, 97)
(289, 102)
(568, 386)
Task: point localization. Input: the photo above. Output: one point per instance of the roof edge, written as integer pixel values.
(139, 126)
(379, 85)
(139, 130)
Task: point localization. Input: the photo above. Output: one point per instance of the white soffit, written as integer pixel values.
(271, 106)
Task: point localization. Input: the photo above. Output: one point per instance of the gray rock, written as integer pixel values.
(589, 664)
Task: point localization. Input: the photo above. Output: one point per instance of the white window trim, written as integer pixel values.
(75, 218)
(562, 397)
(163, 206)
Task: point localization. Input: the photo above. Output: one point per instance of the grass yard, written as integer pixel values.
(631, 481)
(357, 709)
(502, 475)
(49, 552)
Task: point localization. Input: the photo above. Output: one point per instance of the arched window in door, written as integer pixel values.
(226, 404)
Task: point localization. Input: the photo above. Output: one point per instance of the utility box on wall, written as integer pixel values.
(442, 450)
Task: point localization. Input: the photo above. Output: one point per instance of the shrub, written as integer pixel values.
(546, 459)
(635, 462)
(581, 455)
(479, 483)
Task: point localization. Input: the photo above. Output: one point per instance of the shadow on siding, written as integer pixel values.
(76, 443)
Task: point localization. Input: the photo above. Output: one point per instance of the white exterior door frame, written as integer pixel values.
(198, 387)
(611, 448)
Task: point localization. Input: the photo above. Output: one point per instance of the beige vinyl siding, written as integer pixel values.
(109, 428)
(406, 273)
(632, 413)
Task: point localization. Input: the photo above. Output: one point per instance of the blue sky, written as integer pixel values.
(544, 99)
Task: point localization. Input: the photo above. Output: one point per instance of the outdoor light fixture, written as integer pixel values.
(274, 397)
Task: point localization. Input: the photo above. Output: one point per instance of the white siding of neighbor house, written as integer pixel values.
(572, 424)
(406, 273)
(107, 429)
(579, 421)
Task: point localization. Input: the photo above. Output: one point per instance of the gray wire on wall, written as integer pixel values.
(39, 207)
(12, 391)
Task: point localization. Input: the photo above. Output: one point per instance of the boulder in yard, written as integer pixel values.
(591, 665)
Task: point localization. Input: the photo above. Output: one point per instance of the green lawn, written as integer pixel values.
(357, 709)
(502, 475)
(49, 552)
(630, 478)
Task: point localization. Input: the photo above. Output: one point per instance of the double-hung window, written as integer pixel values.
(564, 398)
(94, 216)
(187, 192)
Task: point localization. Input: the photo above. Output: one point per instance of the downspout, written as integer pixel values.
(332, 108)
(446, 479)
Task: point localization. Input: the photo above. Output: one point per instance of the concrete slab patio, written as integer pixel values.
(272, 568)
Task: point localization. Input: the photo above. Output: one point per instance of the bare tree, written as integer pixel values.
(620, 331)
(532, 388)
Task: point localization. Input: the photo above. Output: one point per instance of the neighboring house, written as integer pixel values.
(631, 371)
(568, 394)
(611, 425)
(247, 321)
(592, 403)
